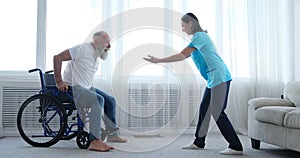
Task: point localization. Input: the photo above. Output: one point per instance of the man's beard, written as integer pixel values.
(102, 52)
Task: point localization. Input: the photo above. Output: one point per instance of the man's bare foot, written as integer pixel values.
(98, 145)
(116, 139)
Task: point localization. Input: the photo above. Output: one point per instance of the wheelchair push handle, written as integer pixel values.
(50, 71)
(42, 76)
(36, 69)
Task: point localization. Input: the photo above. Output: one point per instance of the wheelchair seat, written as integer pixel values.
(51, 88)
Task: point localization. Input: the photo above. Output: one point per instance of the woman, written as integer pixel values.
(218, 78)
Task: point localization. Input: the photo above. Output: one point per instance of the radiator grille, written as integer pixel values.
(151, 107)
(148, 106)
(13, 98)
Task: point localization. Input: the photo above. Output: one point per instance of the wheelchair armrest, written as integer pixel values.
(51, 86)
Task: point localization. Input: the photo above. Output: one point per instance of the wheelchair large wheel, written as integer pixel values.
(42, 120)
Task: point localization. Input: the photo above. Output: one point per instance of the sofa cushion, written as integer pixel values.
(272, 114)
(292, 119)
(265, 101)
(291, 92)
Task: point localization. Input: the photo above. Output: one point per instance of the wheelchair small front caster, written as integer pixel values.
(82, 140)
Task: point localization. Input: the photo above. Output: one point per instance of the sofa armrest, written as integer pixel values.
(265, 101)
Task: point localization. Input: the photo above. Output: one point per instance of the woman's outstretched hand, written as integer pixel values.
(152, 59)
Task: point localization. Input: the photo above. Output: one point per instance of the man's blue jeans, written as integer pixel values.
(214, 102)
(109, 117)
(96, 100)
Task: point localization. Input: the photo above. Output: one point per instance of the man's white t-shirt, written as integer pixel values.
(83, 66)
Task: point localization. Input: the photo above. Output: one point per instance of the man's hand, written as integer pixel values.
(152, 59)
(62, 86)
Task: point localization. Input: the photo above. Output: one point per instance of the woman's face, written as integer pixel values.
(186, 27)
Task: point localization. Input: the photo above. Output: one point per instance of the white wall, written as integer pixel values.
(297, 38)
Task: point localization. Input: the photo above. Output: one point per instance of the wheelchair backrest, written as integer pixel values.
(49, 80)
(49, 86)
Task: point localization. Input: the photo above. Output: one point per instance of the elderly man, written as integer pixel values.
(82, 65)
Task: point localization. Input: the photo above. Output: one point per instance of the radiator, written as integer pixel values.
(146, 108)
(12, 95)
(149, 107)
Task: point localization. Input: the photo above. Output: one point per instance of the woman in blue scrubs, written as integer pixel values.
(210, 65)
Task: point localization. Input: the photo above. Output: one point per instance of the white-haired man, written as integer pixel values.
(79, 73)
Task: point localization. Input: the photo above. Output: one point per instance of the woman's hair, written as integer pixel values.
(195, 23)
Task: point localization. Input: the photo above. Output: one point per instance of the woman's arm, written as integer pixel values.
(186, 52)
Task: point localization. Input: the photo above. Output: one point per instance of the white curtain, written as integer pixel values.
(257, 44)
(150, 97)
(254, 37)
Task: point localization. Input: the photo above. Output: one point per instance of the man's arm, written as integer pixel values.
(57, 62)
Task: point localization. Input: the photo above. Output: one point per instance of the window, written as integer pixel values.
(143, 40)
(69, 23)
(18, 35)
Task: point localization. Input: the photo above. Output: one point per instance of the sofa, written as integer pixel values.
(276, 120)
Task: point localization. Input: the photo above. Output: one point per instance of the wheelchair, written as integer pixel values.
(42, 119)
